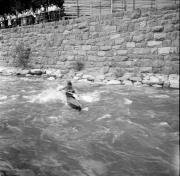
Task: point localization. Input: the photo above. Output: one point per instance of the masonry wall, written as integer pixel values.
(132, 41)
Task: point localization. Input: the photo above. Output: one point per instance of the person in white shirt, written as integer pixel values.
(9, 20)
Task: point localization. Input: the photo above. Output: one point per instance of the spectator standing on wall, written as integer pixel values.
(42, 13)
(32, 16)
(19, 15)
(1, 21)
(13, 20)
(5, 21)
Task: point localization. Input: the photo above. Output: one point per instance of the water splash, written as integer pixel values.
(3, 97)
(127, 101)
(53, 95)
(106, 116)
(90, 96)
(158, 96)
(49, 95)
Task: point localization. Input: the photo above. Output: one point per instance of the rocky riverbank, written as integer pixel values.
(128, 79)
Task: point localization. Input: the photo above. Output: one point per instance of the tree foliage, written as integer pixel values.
(10, 6)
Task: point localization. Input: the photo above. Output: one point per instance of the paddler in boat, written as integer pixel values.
(71, 96)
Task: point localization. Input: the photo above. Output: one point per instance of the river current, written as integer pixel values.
(122, 131)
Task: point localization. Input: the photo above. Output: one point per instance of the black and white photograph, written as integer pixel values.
(89, 87)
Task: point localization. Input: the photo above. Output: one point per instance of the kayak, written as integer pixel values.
(73, 103)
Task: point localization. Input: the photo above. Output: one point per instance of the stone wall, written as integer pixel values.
(138, 42)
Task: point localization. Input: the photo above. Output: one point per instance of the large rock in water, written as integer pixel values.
(36, 72)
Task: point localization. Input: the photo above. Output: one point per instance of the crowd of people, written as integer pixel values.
(30, 16)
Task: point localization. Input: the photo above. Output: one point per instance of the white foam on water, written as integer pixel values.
(49, 95)
(106, 116)
(90, 96)
(127, 101)
(14, 97)
(3, 97)
(53, 95)
(85, 109)
(158, 96)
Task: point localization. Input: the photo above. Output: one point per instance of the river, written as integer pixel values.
(122, 131)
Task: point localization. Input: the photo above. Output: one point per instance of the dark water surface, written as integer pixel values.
(125, 132)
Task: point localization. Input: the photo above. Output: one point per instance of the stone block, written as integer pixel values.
(154, 50)
(157, 85)
(115, 36)
(141, 45)
(135, 79)
(145, 69)
(136, 14)
(105, 48)
(70, 57)
(168, 50)
(138, 84)
(110, 54)
(142, 51)
(142, 24)
(83, 25)
(88, 77)
(66, 32)
(100, 77)
(92, 58)
(127, 76)
(86, 47)
(157, 29)
(81, 52)
(149, 36)
(174, 84)
(119, 41)
(169, 28)
(131, 27)
(98, 28)
(109, 28)
(104, 70)
(177, 27)
(138, 38)
(101, 53)
(122, 52)
(160, 36)
(127, 83)
(166, 43)
(130, 45)
(116, 47)
(154, 43)
(173, 35)
(36, 72)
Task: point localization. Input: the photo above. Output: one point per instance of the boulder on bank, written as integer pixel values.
(127, 83)
(113, 82)
(135, 79)
(151, 79)
(174, 81)
(88, 77)
(22, 72)
(100, 77)
(36, 72)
